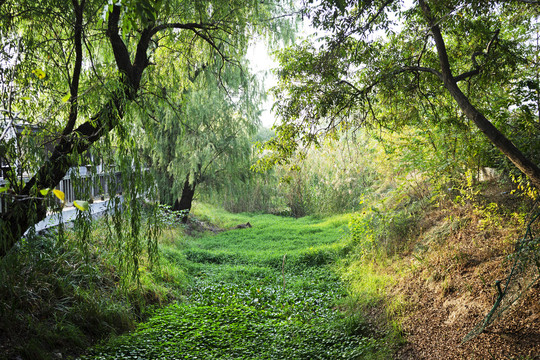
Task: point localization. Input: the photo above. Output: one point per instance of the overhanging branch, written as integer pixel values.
(498, 139)
(478, 68)
(419, 69)
(181, 26)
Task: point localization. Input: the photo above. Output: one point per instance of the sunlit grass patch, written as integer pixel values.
(365, 280)
(217, 216)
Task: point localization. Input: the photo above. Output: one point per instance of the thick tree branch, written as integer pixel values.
(120, 51)
(498, 139)
(477, 68)
(141, 57)
(74, 86)
(466, 75)
(357, 90)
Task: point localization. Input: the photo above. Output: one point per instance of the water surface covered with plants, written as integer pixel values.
(266, 292)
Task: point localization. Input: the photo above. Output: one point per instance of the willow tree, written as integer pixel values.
(390, 62)
(204, 134)
(81, 65)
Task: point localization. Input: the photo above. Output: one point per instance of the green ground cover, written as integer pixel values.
(266, 292)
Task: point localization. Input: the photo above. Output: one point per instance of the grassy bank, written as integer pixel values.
(56, 300)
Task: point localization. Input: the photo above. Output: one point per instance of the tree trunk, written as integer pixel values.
(27, 207)
(530, 169)
(184, 204)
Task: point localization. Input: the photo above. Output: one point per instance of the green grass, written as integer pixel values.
(244, 302)
(306, 240)
(54, 299)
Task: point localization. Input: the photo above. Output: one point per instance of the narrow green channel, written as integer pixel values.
(266, 292)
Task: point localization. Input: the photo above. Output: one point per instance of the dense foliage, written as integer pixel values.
(457, 76)
(412, 116)
(76, 72)
(203, 136)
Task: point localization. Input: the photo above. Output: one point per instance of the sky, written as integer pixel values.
(262, 63)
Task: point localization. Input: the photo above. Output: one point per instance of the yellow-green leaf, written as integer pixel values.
(3, 189)
(66, 98)
(59, 194)
(26, 98)
(81, 205)
(44, 192)
(39, 73)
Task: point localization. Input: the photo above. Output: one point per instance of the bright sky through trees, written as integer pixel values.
(262, 63)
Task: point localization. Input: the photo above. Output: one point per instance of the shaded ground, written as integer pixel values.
(450, 288)
(436, 327)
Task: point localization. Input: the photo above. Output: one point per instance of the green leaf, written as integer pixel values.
(3, 189)
(66, 98)
(81, 205)
(44, 192)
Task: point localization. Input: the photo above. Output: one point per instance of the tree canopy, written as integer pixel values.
(465, 67)
(202, 137)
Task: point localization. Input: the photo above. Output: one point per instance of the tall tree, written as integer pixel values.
(382, 62)
(102, 54)
(202, 137)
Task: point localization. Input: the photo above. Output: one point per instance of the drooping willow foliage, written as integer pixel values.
(72, 72)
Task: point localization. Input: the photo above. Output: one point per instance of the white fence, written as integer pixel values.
(87, 186)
